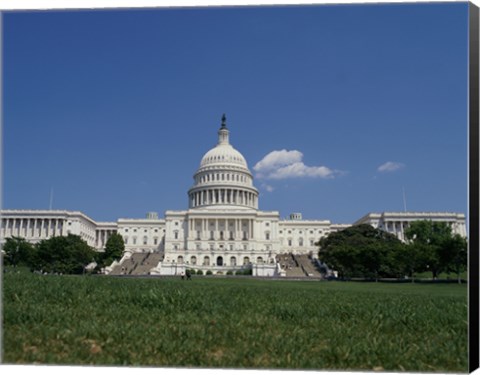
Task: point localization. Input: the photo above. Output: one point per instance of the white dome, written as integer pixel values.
(223, 179)
(223, 154)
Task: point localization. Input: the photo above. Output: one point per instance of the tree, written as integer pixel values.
(454, 255)
(429, 239)
(361, 251)
(18, 252)
(61, 254)
(114, 249)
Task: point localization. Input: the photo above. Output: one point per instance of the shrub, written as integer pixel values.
(209, 272)
(229, 273)
(199, 272)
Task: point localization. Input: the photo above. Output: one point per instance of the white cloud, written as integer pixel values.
(267, 187)
(288, 164)
(390, 166)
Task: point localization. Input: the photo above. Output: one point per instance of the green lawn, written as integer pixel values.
(235, 323)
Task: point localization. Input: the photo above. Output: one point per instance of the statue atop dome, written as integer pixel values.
(224, 121)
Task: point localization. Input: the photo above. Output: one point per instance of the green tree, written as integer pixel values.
(18, 252)
(61, 254)
(114, 249)
(454, 255)
(428, 240)
(361, 251)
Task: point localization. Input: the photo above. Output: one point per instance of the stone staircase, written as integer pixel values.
(298, 265)
(137, 264)
(307, 265)
(150, 261)
(290, 265)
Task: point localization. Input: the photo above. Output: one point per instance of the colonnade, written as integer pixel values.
(102, 236)
(227, 229)
(223, 196)
(33, 227)
(396, 227)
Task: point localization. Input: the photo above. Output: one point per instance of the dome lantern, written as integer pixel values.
(223, 132)
(223, 178)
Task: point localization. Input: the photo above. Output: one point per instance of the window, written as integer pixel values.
(156, 230)
(125, 239)
(176, 235)
(267, 224)
(267, 236)
(134, 230)
(289, 242)
(311, 243)
(134, 240)
(300, 242)
(193, 260)
(145, 240)
(176, 223)
(155, 241)
(126, 230)
(145, 231)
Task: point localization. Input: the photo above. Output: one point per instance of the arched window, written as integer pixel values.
(193, 260)
(300, 242)
(219, 261)
(206, 261)
(246, 261)
(233, 261)
(180, 259)
(145, 240)
(260, 260)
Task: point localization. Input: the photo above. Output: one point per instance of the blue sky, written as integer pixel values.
(339, 107)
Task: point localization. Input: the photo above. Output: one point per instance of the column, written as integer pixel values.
(34, 227)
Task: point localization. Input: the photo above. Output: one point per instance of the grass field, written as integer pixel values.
(234, 323)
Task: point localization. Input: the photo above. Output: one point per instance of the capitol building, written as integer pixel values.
(222, 230)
